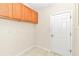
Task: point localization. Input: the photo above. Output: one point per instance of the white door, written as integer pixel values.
(60, 27)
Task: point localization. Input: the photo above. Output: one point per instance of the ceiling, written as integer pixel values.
(38, 6)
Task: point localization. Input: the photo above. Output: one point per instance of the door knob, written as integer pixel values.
(51, 35)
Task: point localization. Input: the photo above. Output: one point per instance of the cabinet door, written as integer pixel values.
(26, 12)
(34, 17)
(10, 10)
(17, 12)
(4, 9)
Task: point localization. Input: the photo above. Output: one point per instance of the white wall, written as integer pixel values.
(76, 39)
(43, 29)
(43, 35)
(15, 37)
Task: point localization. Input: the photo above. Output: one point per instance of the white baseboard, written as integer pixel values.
(25, 50)
(29, 48)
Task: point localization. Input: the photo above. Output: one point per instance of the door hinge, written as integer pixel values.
(70, 17)
(70, 51)
(70, 33)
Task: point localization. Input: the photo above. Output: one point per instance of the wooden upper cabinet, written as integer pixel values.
(29, 15)
(26, 12)
(4, 9)
(17, 11)
(34, 17)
